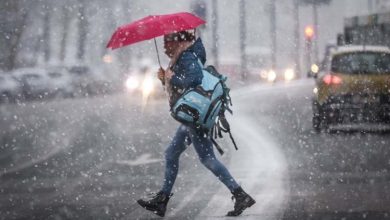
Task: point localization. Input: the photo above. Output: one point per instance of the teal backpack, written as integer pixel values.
(204, 106)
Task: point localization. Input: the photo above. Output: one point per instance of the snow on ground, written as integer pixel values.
(259, 166)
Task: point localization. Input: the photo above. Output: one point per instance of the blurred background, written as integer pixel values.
(83, 129)
(243, 38)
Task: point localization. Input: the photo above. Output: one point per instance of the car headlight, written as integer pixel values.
(289, 74)
(132, 83)
(263, 74)
(314, 68)
(271, 76)
(147, 85)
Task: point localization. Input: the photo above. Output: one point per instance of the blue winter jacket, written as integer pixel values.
(187, 72)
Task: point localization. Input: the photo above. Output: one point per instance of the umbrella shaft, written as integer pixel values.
(158, 57)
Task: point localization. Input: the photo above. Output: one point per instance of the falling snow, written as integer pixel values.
(84, 129)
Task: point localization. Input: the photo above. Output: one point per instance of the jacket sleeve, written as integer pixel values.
(190, 73)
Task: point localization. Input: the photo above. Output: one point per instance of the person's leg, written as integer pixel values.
(172, 154)
(205, 151)
(204, 148)
(158, 203)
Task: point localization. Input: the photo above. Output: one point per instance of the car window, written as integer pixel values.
(31, 76)
(55, 75)
(79, 70)
(361, 63)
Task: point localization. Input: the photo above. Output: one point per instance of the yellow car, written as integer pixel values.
(353, 86)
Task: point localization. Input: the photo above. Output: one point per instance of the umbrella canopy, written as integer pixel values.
(153, 26)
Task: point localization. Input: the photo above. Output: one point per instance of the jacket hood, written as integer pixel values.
(198, 49)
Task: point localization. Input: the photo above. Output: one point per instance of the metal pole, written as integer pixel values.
(308, 49)
(273, 32)
(46, 33)
(126, 55)
(316, 38)
(242, 32)
(297, 47)
(65, 20)
(215, 32)
(82, 30)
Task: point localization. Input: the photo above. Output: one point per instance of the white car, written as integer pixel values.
(34, 81)
(87, 81)
(10, 89)
(60, 82)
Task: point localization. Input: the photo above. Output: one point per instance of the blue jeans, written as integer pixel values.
(204, 148)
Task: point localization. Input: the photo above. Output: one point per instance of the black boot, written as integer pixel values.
(243, 201)
(158, 204)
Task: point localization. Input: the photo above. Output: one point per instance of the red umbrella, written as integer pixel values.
(151, 27)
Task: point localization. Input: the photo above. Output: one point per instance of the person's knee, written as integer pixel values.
(169, 156)
(172, 156)
(209, 162)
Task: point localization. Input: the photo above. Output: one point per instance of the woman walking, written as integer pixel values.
(185, 72)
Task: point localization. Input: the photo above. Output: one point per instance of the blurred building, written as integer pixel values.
(79, 30)
(375, 6)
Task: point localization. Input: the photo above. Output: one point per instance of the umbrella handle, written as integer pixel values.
(158, 57)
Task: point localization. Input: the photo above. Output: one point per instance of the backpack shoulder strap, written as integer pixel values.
(222, 125)
(217, 146)
(226, 128)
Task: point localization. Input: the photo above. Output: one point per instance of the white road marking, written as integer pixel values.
(141, 160)
(260, 164)
(185, 201)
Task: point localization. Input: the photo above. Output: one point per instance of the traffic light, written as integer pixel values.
(309, 33)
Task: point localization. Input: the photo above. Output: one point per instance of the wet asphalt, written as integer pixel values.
(93, 158)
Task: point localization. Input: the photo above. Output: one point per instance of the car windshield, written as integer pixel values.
(362, 63)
